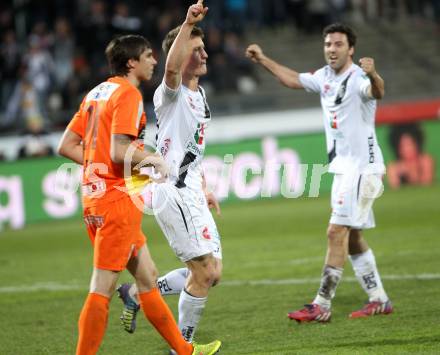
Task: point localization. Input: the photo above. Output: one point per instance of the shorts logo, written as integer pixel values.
(97, 221)
(205, 234)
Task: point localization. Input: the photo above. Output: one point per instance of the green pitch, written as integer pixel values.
(273, 253)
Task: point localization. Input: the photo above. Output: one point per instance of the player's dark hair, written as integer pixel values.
(341, 28)
(171, 36)
(123, 48)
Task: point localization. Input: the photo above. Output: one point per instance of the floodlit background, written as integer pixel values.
(273, 223)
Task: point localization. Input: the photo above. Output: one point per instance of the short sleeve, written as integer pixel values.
(364, 87)
(77, 123)
(165, 94)
(127, 112)
(310, 81)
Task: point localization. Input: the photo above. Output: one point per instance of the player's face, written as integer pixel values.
(337, 52)
(146, 64)
(196, 62)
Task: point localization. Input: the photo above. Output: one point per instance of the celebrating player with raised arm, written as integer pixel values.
(348, 98)
(181, 206)
(108, 124)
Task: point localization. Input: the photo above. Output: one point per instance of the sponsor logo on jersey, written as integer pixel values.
(193, 148)
(371, 149)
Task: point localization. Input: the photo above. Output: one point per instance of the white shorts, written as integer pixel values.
(185, 219)
(352, 199)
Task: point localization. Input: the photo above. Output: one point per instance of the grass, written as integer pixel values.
(273, 253)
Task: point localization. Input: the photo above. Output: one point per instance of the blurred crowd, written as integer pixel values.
(51, 51)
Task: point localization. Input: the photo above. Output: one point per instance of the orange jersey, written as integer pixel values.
(112, 107)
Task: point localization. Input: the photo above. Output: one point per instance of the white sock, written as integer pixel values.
(331, 276)
(365, 269)
(190, 312)
(170, 284)
(173, 282)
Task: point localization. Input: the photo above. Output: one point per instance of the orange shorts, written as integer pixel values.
(115, 231)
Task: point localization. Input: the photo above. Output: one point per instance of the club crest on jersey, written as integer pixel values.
(334, 121)
(328, 89)
(200, 133)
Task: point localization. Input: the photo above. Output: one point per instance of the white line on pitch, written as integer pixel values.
(54, 286)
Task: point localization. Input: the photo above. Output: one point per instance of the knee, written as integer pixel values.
(154, 274)
(216, 278)
(147, 281)
(207, 277)
(336, 234)
(103, 282)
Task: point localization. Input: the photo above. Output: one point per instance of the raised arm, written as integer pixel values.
(377, 87)
(286, 76)
(179, 50)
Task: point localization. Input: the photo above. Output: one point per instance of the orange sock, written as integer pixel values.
(92, 323)
(159, 314)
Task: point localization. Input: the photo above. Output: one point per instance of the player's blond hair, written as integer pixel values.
(171, 36)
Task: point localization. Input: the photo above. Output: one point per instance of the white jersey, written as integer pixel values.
(182, 118)
(349, 115)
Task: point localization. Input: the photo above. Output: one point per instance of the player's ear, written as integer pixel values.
(351, 51)
(131, 63)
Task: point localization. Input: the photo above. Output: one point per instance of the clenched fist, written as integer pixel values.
(367, 65)
(196, 13)
(255, 53)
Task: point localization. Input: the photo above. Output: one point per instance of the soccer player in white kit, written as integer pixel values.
(348, 98)
(181, 205)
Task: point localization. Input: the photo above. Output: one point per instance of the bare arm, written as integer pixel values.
(122, 147)
(287, 77)
(179, 50)
(377, 87)
(210, 197)
(71, 146)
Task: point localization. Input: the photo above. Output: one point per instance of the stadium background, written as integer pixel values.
(51, 52)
